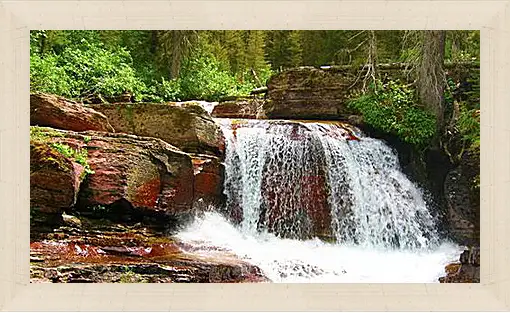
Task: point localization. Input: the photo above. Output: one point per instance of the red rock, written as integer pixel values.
(209, 176)
(57, 112)
(297, 207)
(148, 173)
(316, 204)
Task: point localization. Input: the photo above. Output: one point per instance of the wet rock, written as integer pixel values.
(463, 201)
(57, 112)
(131, 256)
(467, 270)
(208, 183)
(185, 125)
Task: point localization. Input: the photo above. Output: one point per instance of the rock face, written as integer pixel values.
(239, 108)
(185, 125)
(463, 201)
(129, 176)
(309, 93)
(208, 183)
(58, 112)
(466, 271)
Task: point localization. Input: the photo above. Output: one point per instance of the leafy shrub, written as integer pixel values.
(84, 69)
(78, 155)
(78, 64)
(96, 69)
(203, 78)
(392, 108)
(47, 76)
(469, 127)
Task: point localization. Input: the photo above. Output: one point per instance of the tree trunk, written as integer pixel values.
(431, 74)
(154, 41)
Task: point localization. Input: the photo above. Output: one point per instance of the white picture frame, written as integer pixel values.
(17, 18)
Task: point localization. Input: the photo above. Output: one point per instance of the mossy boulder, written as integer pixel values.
(55, 178)
(185, 125)
(129, 176)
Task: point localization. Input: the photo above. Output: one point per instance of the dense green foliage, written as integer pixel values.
(393, 108)
(85, 69)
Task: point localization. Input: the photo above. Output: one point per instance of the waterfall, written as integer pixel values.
(320, 202)
(305, 179)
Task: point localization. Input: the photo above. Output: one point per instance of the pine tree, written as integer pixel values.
(236, 46)
(283, 48)
(255, 58)
(431, 76)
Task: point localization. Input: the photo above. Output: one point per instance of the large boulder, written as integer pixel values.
(128, 176)
(185, 125)
(309, 93)
(57, 112)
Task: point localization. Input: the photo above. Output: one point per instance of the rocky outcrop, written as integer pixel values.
(239, 108)
(112, 253)
(129, 177)
(309, 93)
(208, 183)
(467, 270)
(57, 112)
(463, 200)
(185, 125)
(105, 206)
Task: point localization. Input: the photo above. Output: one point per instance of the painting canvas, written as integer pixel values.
(284, 156)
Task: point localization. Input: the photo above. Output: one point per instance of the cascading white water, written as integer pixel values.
(290, 182)
(373, 203)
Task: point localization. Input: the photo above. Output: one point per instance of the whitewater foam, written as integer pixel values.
(295, 261)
